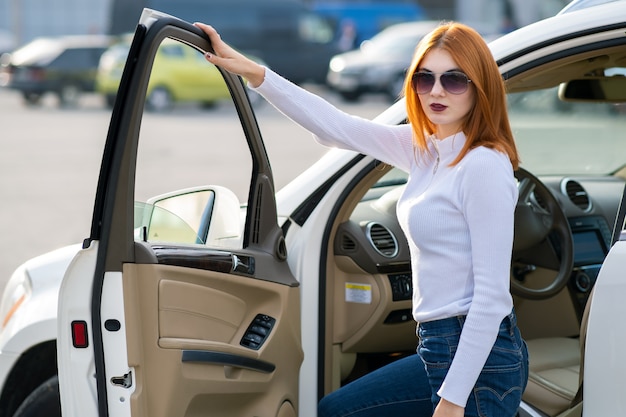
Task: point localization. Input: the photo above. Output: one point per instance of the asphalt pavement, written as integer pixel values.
(50, 160)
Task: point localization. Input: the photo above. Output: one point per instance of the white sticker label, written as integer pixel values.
(358, 293)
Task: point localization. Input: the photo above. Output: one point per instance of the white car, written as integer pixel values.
(195, 304)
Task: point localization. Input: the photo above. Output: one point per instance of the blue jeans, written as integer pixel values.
(408, 387)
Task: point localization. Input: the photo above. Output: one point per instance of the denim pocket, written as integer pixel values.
(437, 354)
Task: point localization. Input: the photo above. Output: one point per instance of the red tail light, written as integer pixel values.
(80, 338)
(36, 74)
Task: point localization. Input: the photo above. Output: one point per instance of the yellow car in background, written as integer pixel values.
(180, 74)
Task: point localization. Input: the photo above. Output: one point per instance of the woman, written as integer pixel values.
(457, 213)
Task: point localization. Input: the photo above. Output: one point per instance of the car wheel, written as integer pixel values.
(350, 95)
(109, 100)
(160, 99)
(208, 105)
(68, 95)
(32, 99)
(45, 401)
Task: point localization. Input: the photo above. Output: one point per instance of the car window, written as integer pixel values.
(313, 28)
(586, 136)
(78, 58)
(207, 159)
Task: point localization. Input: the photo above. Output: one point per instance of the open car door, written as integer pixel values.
(181, 302)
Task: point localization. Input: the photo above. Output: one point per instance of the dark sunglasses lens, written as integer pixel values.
(454, 82)
(423, 82)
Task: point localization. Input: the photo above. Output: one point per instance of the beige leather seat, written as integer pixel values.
(553, 377)
(555, 370)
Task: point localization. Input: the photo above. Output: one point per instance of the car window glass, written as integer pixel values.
(76, 58)
(313, 28)
(193, 163)
(584, 134)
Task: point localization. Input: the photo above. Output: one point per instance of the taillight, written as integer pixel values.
(80, 338)
(36, 74)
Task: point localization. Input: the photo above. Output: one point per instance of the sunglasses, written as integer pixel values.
(454, 82)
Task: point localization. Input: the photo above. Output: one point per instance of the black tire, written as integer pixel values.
(110, 100)
(45, 401)
(160, 100)
(69, 95)
(350, 96)
(208, 105)
(32, 99)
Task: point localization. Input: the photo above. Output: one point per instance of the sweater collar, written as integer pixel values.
(450, 145)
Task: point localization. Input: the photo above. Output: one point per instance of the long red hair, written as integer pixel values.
(487, 123)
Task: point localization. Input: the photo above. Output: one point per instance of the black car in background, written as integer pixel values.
(65, 66)
(379, 64)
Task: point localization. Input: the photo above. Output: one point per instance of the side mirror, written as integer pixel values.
(610, 89)
(208, 215)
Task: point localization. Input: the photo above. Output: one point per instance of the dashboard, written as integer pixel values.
(372, 240)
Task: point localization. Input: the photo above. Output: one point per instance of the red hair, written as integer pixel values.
(487, 123)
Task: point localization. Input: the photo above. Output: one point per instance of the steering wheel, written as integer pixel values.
(542, 238)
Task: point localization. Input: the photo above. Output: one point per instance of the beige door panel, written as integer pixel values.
(184, 328)
(361, 326)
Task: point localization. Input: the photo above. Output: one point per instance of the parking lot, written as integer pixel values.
(50, 160)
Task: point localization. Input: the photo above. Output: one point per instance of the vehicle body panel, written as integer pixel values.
(604, 335)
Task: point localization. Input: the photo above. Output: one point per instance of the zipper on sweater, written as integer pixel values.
(433, 139)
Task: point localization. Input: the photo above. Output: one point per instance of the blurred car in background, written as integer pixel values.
(7, 41)
(65, 66)
(180, 74)
(379, 65)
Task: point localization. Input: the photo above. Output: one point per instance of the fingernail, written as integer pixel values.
(207, 55)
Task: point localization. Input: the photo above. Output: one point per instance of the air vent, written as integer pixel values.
(347, 244)
(382, 240)
(577, 194)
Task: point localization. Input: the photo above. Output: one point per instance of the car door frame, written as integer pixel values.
(113, 217)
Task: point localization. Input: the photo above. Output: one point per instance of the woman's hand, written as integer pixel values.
(231, 60)
(448, 409)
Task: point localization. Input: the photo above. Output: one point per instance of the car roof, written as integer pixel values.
(43, 50)
(583, 4)
(556, 28)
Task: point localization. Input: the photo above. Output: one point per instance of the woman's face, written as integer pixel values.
(444, 109)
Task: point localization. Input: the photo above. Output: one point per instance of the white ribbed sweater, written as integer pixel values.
(458, 221)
